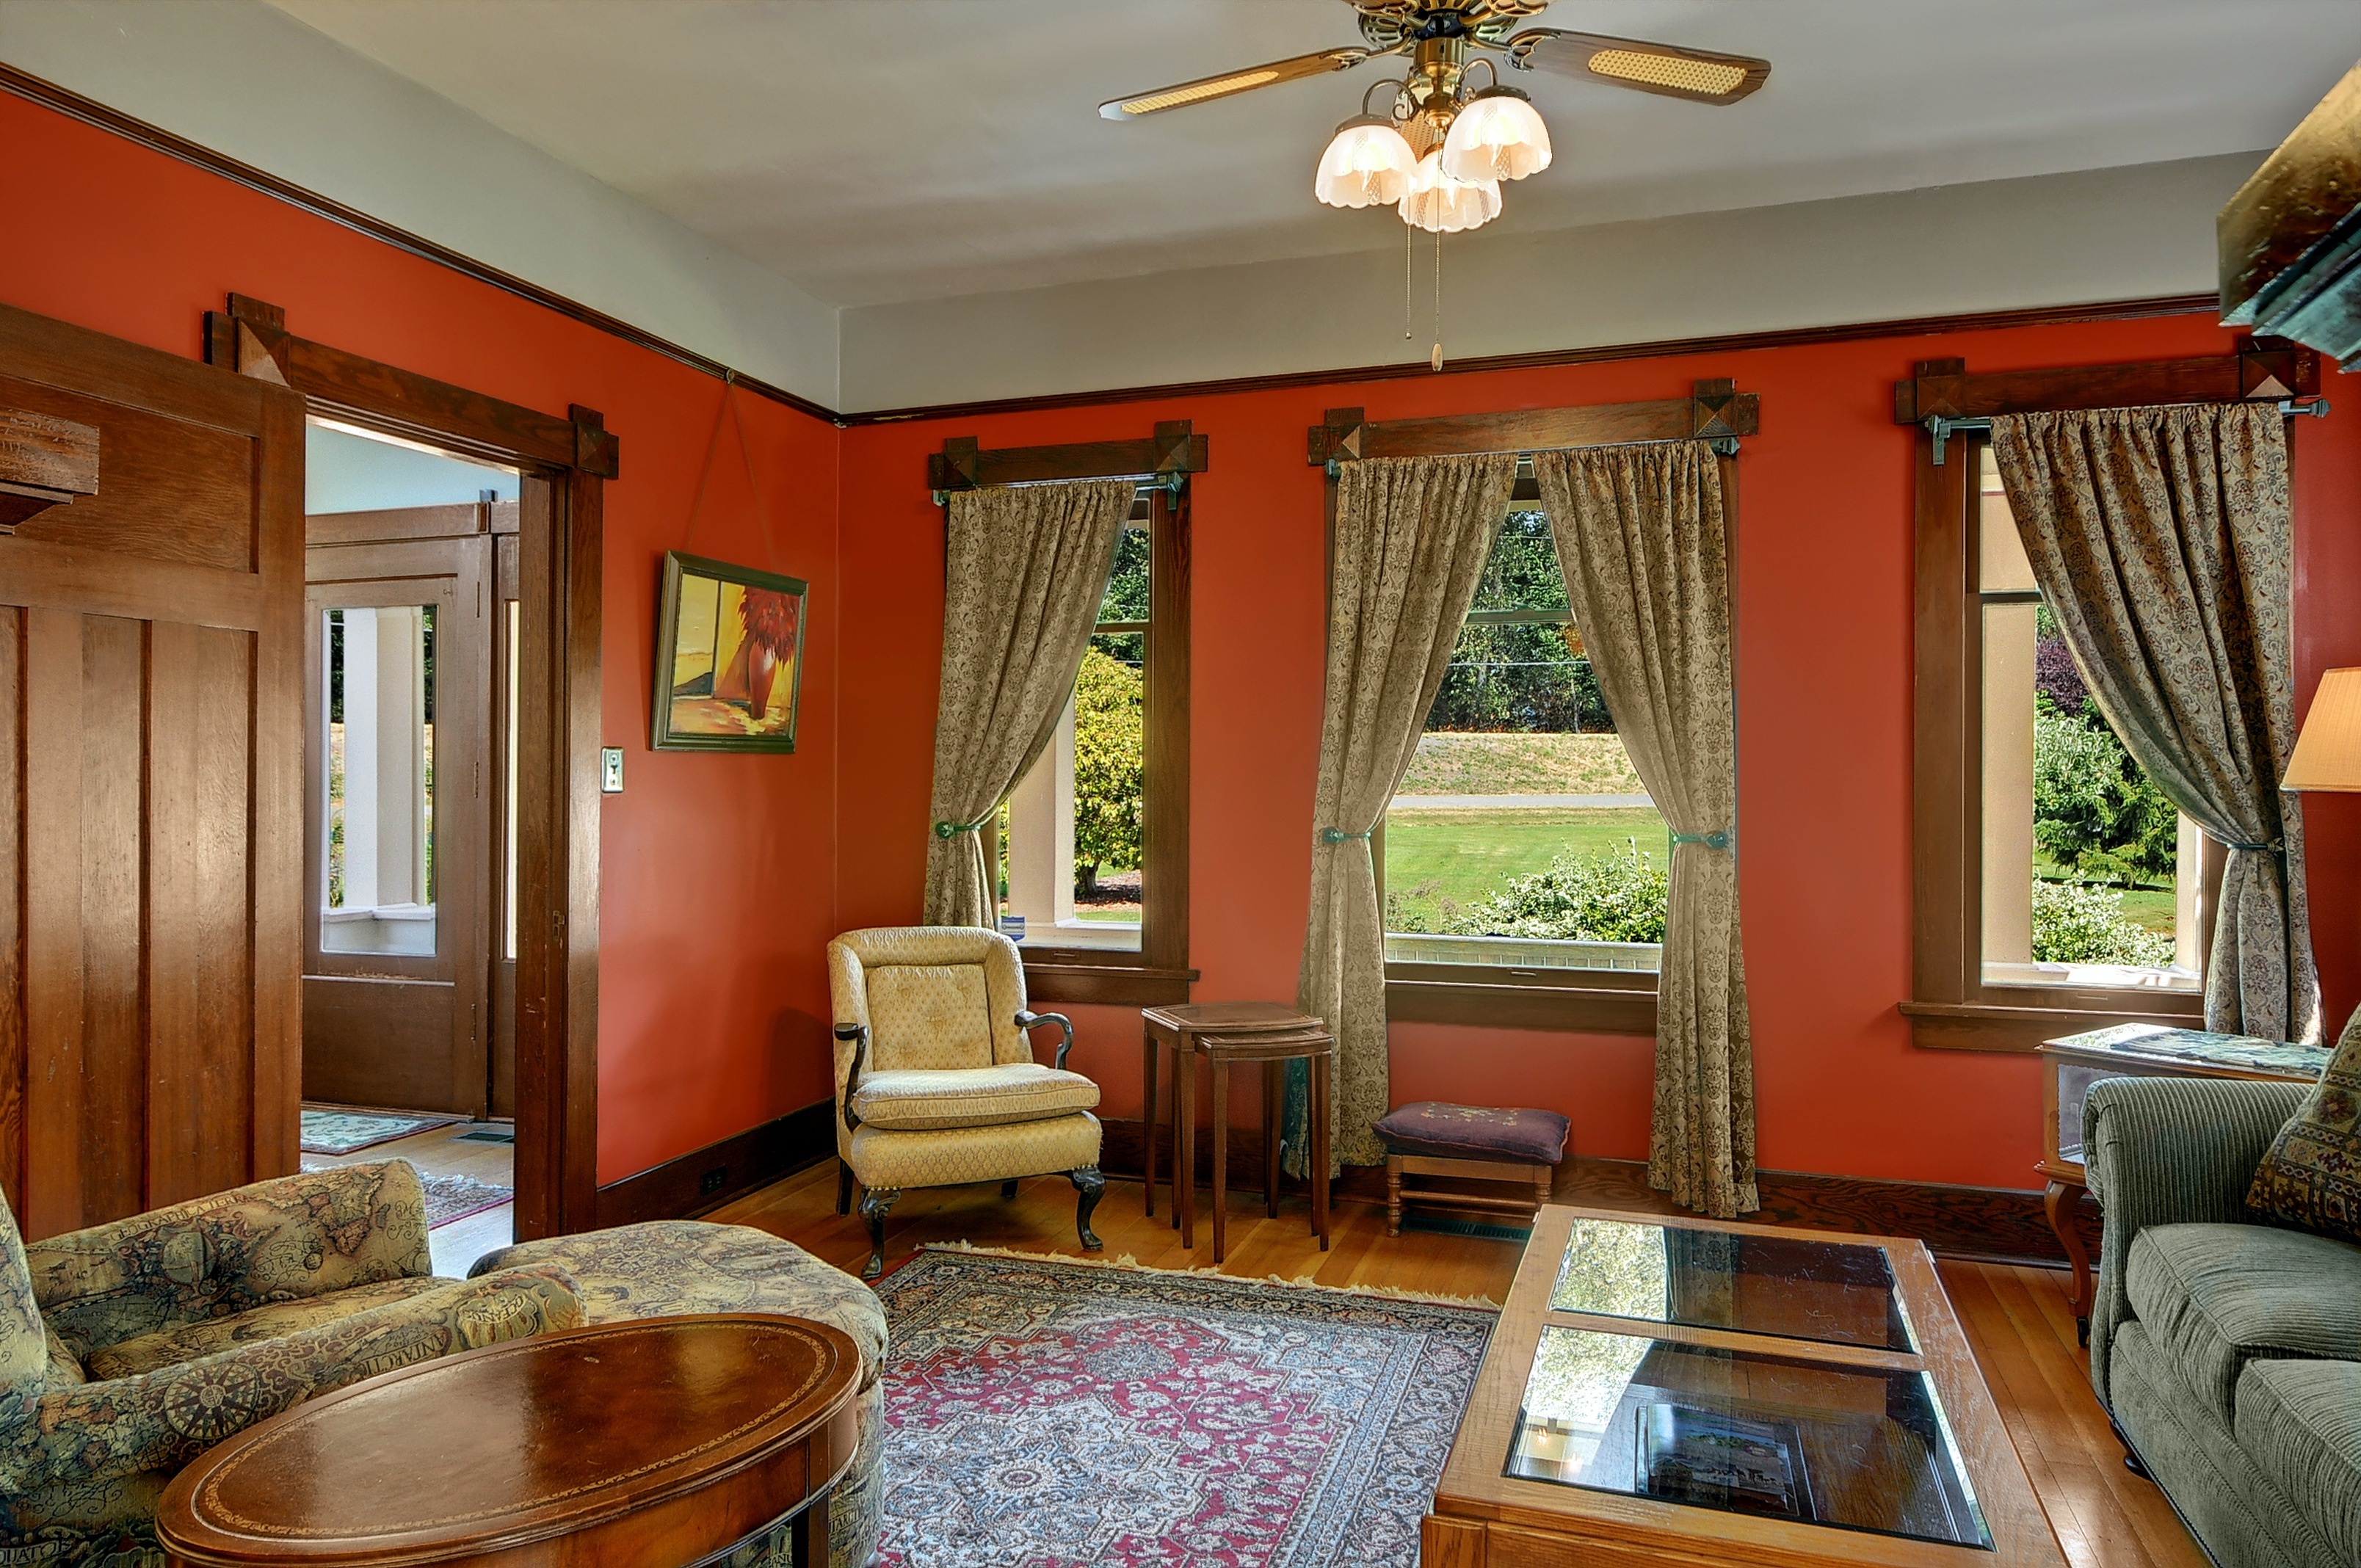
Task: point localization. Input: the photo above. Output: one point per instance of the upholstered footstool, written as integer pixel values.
(1470, 1143)
(673, 1266)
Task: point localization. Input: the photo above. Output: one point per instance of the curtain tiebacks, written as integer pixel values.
(1713, 840)
(1338, 836)
(2276, 847)
(953, 829)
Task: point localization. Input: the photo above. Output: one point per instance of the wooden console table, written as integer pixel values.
(654, 1444)
(1227, 1031)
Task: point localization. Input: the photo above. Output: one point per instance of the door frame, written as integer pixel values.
(559, 560)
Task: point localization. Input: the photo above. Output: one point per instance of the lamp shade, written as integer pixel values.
(1499, 135)
(1440, 205)
(2328, 752)
(1367, 163)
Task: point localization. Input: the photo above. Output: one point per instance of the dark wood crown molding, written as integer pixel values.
(1173, 450)
(1715, 410)
(2261, 369)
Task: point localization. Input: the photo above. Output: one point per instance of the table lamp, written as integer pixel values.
(2327, 753)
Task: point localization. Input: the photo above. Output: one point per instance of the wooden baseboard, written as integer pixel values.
(1996, 1225)
(706, 1178)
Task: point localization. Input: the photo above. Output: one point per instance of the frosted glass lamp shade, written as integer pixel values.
(1499, 135)
(1367, 164)
(2327, 753)
(1440, 205)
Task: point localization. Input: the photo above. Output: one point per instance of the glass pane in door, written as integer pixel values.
(379, 857)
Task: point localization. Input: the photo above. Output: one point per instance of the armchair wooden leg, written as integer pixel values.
(1091, 1186)
(843, 1188)
(874, 1203)
(1008, 1187)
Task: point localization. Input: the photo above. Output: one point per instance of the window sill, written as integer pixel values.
(1986, 1026)
(1601, 1002)
(1074, 974)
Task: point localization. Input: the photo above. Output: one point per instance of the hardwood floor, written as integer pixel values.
(2019, 1319)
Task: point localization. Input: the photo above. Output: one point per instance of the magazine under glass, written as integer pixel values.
(1849, 1447)
(1841, 1292)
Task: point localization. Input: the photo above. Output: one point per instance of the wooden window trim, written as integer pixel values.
(1159, 973)
(1949, 1006)
(1589, 1002)
(560, 538)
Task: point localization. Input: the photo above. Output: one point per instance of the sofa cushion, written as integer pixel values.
(971, 1097)
(2311, 1178)
(2218, 1297)
(1475, 1132)
(2301, 1423)
(188, 1341)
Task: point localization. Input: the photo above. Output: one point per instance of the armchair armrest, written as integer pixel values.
(2168, 1151)
(859, 1034)
(1028, 1021)
(84, 1433)
(280, 1240)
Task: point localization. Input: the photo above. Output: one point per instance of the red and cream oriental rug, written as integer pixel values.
(1043, 1413)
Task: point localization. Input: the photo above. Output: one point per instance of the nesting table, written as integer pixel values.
(654, 1444)
(1225, 1033)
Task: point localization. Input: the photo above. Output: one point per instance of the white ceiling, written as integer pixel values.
(883, 150)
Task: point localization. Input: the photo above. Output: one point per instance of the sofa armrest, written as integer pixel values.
(84, 1433)
(280, 1240)
(2170, 1151)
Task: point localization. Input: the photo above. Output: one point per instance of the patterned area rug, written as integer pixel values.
(1051, 1414)
(347, 1132)
(449, 1198)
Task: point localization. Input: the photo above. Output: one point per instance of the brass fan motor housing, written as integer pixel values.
(1389, 24)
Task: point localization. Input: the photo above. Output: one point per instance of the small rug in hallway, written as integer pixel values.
(1051, 1414)
(348, 1132)
(449, 1198)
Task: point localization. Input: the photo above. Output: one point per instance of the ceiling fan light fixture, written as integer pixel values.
(1439, 203)
(1498, 135)
(1367, 164)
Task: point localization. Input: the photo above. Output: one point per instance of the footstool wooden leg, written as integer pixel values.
(1394, 1194)
(874, 1203)
(1544, 1181)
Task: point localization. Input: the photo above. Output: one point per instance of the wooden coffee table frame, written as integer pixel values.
(1484, 1518)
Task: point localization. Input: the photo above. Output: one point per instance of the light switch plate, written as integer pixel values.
(611, 770)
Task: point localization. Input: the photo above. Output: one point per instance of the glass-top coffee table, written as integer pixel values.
(1728, 1393)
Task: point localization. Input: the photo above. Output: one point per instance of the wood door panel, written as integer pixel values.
(170, 490)
(150, 783)
(408, 1025)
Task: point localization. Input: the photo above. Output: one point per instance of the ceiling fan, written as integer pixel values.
(1440, 151)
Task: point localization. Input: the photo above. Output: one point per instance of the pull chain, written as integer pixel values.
(1434, 361)
(1407, 236)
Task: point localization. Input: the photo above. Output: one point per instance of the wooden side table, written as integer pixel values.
(645, 1444)
(1225, 1032)
(2072, 1063)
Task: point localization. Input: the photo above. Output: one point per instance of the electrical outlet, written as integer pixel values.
(611, 770)
(712, 1179)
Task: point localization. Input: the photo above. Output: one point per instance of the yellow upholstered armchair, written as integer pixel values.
(935, 1084)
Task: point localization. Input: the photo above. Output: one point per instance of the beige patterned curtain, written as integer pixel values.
(1645, 543)
(1024, 571)
(2161, 537)
(1412, 534)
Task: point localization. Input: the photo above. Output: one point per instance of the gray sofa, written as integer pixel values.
(2227, 1353)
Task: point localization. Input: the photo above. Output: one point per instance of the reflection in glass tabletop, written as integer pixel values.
(1842, 1292)
(1853, 1447)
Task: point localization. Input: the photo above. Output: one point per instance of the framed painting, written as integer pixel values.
(729, 657)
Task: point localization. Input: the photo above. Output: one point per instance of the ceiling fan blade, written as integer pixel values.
(1207, 88)
(1698, 75)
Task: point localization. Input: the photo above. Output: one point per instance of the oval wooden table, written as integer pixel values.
(654, 1444)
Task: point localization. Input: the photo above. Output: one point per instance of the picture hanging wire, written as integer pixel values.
(729, 409)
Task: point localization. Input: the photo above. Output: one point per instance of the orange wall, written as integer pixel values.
(717, 871)
(723, 877)
(1823, 662)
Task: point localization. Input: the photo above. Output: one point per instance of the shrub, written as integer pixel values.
(2094, 810)
(2075, 923)
(1109, 776)
(1587, 898)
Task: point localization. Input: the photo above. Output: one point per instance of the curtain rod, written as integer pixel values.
(1943, 429)
(1171, 482)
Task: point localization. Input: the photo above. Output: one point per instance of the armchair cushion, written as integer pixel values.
(217, 1257)
(927, 1016)
(949, 1156)
(193, 1342)
(931, 996)
(971, 1097)
(2216, 1297)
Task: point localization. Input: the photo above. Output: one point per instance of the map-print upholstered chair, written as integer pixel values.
(935, 1084)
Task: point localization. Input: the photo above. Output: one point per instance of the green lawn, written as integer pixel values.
(2149, 906)
(1453, 763)
(1432, 856)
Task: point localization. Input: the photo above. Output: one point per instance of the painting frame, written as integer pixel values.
(666, 732)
